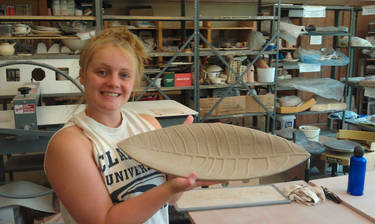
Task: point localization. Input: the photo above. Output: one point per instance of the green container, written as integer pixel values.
(169, 79)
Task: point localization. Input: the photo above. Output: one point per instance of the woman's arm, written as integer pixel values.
(73, 174)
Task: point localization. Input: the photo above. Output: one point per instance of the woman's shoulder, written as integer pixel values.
(69, 138)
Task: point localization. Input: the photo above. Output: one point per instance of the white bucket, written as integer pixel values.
(265, 74)
(311, 132)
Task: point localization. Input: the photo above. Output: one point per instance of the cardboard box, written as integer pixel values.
(235, 105)
(229, 105)
(183, 79)
(252, 106)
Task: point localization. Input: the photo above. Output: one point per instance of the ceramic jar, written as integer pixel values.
(21, 29)
(7, 49)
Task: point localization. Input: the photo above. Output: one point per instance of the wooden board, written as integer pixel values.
(291, 213)
(305, 106)
(323, 104)
(230, 197)
(367, 83)
(356, 135)
(363, 205)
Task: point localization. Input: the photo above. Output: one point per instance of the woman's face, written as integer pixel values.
(109, 79)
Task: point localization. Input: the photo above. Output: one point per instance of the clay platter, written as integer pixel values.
(214, 151)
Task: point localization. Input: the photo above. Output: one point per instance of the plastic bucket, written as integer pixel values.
(265, 74)
(311, 132)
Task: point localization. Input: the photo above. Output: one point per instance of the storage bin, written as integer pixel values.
(169, 79)
(265, 74)
(286, 121)
(183, 79)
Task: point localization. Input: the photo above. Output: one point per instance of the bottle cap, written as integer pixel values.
(358, 151)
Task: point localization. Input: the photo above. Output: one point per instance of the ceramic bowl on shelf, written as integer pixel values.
(74, 44)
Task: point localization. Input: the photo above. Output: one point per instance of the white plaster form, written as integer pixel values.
(49, 85)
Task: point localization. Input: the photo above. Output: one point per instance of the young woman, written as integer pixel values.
(95, 180)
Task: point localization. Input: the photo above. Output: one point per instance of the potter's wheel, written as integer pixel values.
(345, 146)
(314, 148)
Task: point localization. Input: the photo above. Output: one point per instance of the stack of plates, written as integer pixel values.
(46, 31)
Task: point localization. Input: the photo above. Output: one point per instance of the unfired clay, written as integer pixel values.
(214, 151)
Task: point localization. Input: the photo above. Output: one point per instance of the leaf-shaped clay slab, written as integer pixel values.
(214, 151)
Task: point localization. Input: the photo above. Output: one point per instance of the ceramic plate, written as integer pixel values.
(45, 31)
(214, 151)
(46, 28)
(341, 145)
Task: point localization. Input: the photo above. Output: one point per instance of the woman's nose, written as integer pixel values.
(113, 80)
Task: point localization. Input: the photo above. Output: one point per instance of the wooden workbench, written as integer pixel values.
(362, 204)
(294, 213)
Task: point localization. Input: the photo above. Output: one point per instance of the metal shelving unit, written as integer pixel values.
(196, 37)
(239, 81)
(349, 72)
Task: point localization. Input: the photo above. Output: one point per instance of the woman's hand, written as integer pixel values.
(180, 184)
(189, 119)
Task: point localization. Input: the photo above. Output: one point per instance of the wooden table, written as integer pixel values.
(293, 213)
(364, 204)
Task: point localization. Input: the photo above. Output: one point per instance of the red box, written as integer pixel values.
(183, 79)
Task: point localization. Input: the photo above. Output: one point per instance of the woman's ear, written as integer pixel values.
(81, 78)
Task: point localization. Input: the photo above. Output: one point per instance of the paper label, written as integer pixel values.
(304, 67)
(315, 40)
(314, 11)
(24, 108)
(368, 10)
(309, 12)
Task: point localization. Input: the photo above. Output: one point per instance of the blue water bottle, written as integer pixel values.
(357, 171)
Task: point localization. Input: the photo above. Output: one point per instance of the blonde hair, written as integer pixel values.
(120, 37)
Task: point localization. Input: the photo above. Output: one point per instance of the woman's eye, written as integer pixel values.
(102, 72)
(125, 75)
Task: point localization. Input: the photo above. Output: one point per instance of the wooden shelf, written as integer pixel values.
(217, 86)
(151, 54)
(35, 37)
(212, 28)
(141, 28)
(148, 18)
(288, 49)
(188, 18)
(210, 53)
(39, 56)
(47, 18)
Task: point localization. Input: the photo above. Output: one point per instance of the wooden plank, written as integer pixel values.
(289, 110)
(37, 37)
(323, 104)
(230, 197)
(282, 214)
(50, 18)
(363, 205)
(356, 135)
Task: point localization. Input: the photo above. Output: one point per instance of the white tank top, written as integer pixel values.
(124, 177)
